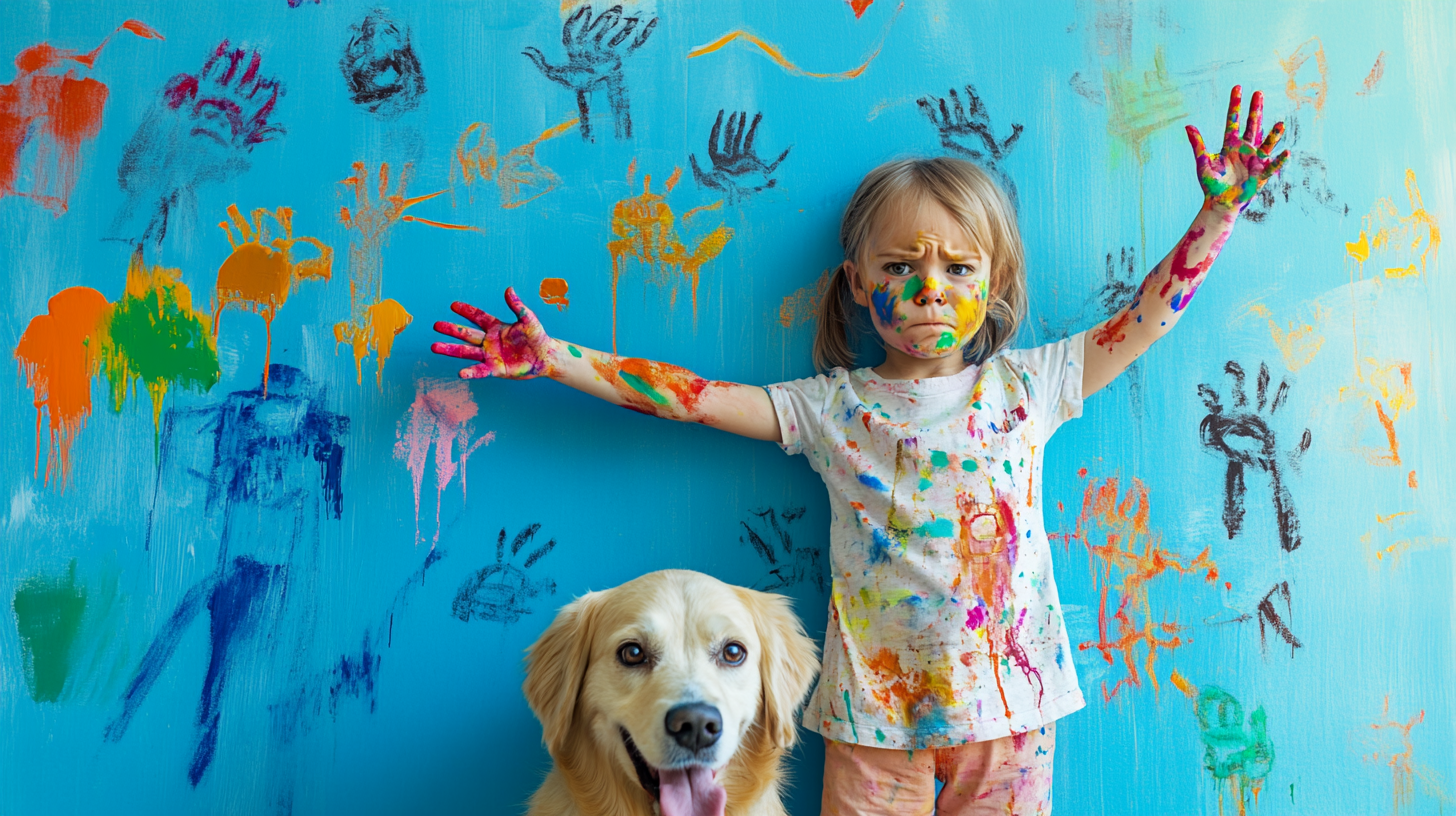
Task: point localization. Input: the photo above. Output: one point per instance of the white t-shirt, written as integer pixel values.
(944, 624)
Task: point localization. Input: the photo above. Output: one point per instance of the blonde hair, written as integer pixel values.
(980, 206)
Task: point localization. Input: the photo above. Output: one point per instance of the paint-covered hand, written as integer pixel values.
(514, 351)
(1232, 177)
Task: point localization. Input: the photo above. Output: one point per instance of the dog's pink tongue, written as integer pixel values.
(690, 792)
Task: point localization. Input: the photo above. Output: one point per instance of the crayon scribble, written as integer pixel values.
(202, 130)
(594, 61)
(1305, 181)
(737, 171)
(1242, 756)
(440, 416)
(803, 305)
(502, 592)
(1246, 440)
(772, 51)
(1316, 90)
(257, 447)
(380, 67)
(260, 273)
(1390, 741)
(553, 292)
(645, 229)
(518, 175)
(1300, 342)
(968, 131)
(1134, 550)
(790, 565)
(1372, 79)
(45, 117)
(1392, 538)
(374, 321)
(1271, 619)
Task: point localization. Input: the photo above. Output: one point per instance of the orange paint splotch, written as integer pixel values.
(46, 115)
(859, 7)
(1300, 342)
(1391, 744)
(1304, 89)
(645, 229)
(373, 321)
(59, 353)
(654, 388)
(553, 291)
(900, 692)
(1411, 482)
(260, 273)
(803, 305)
(1182, 684)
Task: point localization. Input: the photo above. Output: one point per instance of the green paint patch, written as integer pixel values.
(925, 483)
(947, 340)
(969, 465)
(939, 459)
(48, 613)
(912, 288)
(849, 712)
(880, 737)
(575, 352)
(642, 387)
(937, 528)
(1007, 465)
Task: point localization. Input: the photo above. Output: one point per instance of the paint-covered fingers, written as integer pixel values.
(1274, 167)
(1200, 150)
(1252, 128)
(1272, 140)
(473, 336)
(458, 351)
(477, 316)
(524, 316)
(1231, 124)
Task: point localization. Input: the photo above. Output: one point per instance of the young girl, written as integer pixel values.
(945, 655)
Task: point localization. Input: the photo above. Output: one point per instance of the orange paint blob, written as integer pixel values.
(382, 323)
(1411, 481)
(60, 352)
(553, 291)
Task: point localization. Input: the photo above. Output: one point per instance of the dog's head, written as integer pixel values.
(668, 678)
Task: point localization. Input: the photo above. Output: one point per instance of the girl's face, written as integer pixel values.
(924, 281)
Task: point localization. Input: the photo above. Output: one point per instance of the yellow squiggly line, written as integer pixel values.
(777, 56)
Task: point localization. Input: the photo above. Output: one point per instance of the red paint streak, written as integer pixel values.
(58, 112)
(1112, 332)
(1180, 270)
(1389, 425)
(60, 352)
(1377, 72)
(859, 7)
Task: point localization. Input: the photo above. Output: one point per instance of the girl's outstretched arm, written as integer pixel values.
(1230, 179)
(522, 351)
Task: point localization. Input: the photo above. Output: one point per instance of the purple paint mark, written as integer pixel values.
(976, 617)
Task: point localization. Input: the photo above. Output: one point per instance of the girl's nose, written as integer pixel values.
(930, 294)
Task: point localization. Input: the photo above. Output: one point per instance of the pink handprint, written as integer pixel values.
(513, 351)
(1232, 177)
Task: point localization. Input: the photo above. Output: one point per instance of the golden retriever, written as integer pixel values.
(673, 689)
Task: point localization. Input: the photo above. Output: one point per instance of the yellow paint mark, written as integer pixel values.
(1313, 92)
(773, 52)
(1299, 343)
(383, 322)
(1181, 683)
(1387, 519)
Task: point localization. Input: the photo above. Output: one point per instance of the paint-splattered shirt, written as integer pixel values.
(944, 624)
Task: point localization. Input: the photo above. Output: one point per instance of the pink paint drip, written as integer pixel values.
(440, 416)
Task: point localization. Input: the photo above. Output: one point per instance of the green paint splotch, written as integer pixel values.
(48, 612)
(153, 334)
(1242, 755)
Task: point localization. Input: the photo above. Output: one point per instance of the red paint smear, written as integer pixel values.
(58, 112)
(1113, 332)
(60, 353)
(1179, 268)
(859, 7)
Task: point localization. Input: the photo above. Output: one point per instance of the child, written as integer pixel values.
(946, 656)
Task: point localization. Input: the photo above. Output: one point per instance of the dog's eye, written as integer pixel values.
(632, 654)
(734, 654)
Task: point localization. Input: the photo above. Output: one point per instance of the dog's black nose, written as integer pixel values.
(695, 725)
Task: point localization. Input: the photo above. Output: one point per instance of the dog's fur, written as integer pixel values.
(586, 698)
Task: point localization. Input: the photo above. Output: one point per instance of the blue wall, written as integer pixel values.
(256, 566)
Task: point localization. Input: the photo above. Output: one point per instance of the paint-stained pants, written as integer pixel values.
(1011, 775)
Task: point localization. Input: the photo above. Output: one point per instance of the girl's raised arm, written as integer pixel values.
(522, 351)
(1230, 180)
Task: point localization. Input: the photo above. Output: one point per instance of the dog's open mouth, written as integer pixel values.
(690, 791)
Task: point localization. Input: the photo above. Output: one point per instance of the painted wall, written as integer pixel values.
(221, 600)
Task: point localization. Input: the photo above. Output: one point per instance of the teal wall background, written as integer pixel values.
(233, 606)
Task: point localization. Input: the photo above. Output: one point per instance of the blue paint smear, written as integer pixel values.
(884, 305)
(938, 528)
(870, 481)
(880, 552)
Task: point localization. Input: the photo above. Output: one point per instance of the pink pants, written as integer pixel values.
(1011, 775)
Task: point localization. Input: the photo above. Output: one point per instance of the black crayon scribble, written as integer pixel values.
(968, 131)
(297, 3)
(1269, 618)
(380, 67)
(790, 565)
(501, 591)
(1246, 439)
(257, 448)
(1304, 181)
(594, 60)
(201, 130)
(737, 170)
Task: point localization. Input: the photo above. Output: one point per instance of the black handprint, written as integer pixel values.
(1306, 175)
(499, 592)
(798, 566)
(1246, 439)
(380, 67)
(968, 132)
(594, 60)
(734, 159)
(201, 130)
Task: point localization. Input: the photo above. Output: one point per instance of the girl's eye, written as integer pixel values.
(734, 654)
(899, 269)
(632, 654)
(960, 270)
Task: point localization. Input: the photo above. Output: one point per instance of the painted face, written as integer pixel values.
(925, 282)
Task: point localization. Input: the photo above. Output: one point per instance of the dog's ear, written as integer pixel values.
(787, 666)
(556, 664)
